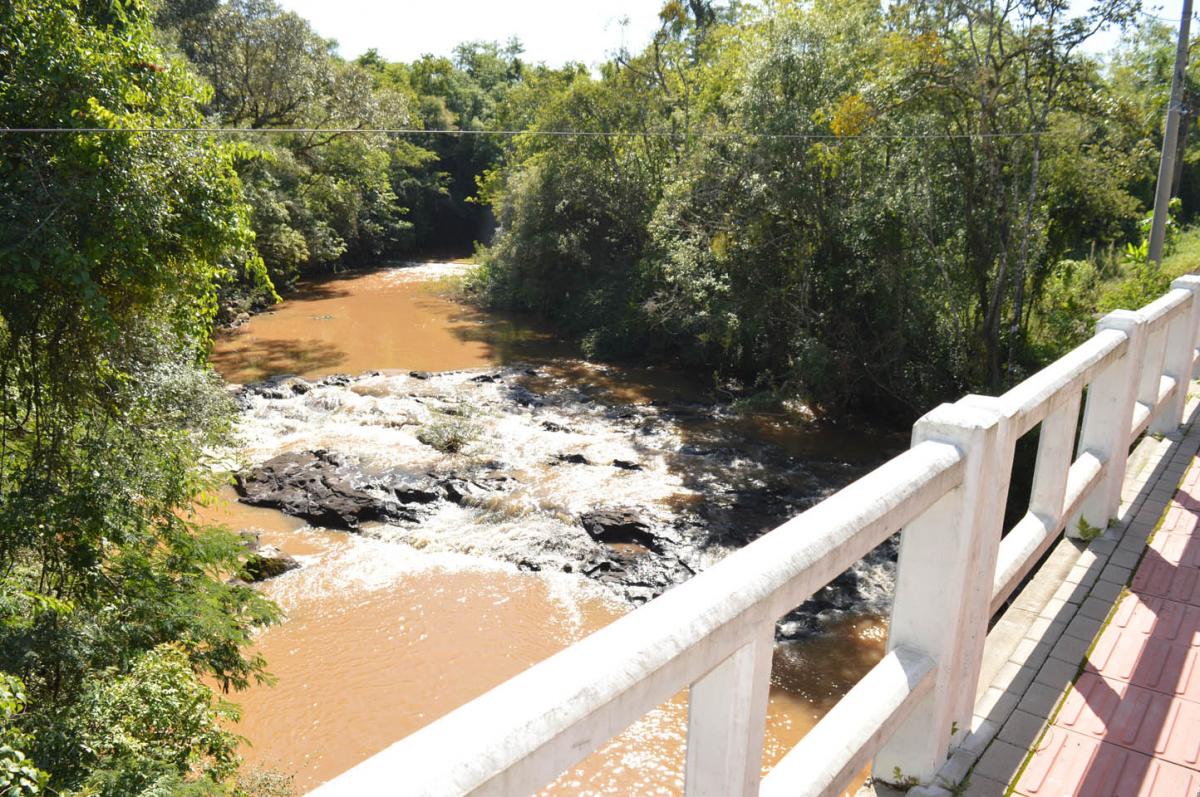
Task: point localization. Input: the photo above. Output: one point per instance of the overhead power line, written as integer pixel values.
(400, 131)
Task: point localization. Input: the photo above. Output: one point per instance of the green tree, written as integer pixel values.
(115, 239)
(327, 194)
(18, 777)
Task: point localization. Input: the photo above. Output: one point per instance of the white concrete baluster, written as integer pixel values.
(727, 716)
(944, 586)
(1181, 349)
(1150, 379)
(1107, 417)
(1056, 449)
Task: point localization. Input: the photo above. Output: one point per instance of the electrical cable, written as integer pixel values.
(9, 131)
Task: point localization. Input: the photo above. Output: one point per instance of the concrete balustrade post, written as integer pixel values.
(727, 718)
(944, 586)
(1149, 380)
(1181, 350)
(1107, 418)
(1056, 448)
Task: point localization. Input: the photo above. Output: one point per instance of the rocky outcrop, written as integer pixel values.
(466, 489)
(328, 489)
(637, 497)
(620, 526)
(313, 486)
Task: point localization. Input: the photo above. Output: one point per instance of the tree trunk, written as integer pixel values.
(1014, 332)
(1186, 116)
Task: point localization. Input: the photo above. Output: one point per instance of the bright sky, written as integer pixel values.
(1166, 10)
(553, 31)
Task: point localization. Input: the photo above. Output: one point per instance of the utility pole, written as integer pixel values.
(1166, 164)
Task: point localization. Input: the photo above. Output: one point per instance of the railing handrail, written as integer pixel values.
(694, 626)
(714, 634)
(1030, 401)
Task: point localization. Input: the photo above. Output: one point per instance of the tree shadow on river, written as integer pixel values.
(508, 338)
(318, 290)
(256, 358)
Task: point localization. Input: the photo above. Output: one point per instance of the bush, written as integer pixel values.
(449, 434)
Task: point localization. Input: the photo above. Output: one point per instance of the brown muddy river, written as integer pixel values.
(389, 629)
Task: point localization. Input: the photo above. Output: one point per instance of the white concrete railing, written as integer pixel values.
(715, 633)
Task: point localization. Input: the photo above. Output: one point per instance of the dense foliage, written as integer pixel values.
(873, 206)
(114, 612)
(347, 195)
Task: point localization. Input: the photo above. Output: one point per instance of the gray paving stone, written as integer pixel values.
(1106, 591)
(1095, 608)
(1000, 761)
(1022, 729)
(996, 705)
(1070, 649)
(1013, 677)
(1083, 627)
(1045, 629)
(1129, 551)
(1057, 609)
(1086, 574)
(1128, 558)
(1058, 672)
(1030, 653)
(1116, 574)
(980, 786)
(1039, 700)
(1071, 593)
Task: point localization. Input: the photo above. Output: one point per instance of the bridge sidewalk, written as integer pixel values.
(1113, 708)
(1091, 678)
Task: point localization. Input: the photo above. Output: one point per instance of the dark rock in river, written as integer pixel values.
(619, 526)
(414, 494)
(267, 562)
(733, 489)
(310, 485)
(525, 397)
(462, 489)
(636, 572)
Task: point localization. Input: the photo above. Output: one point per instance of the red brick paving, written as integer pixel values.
(1130, 725)
(1073, 764)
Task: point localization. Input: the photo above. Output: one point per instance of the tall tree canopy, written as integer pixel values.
(861, 202)
(114, 239)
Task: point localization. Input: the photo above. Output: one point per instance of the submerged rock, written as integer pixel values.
(463, 489)
(415, 494)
